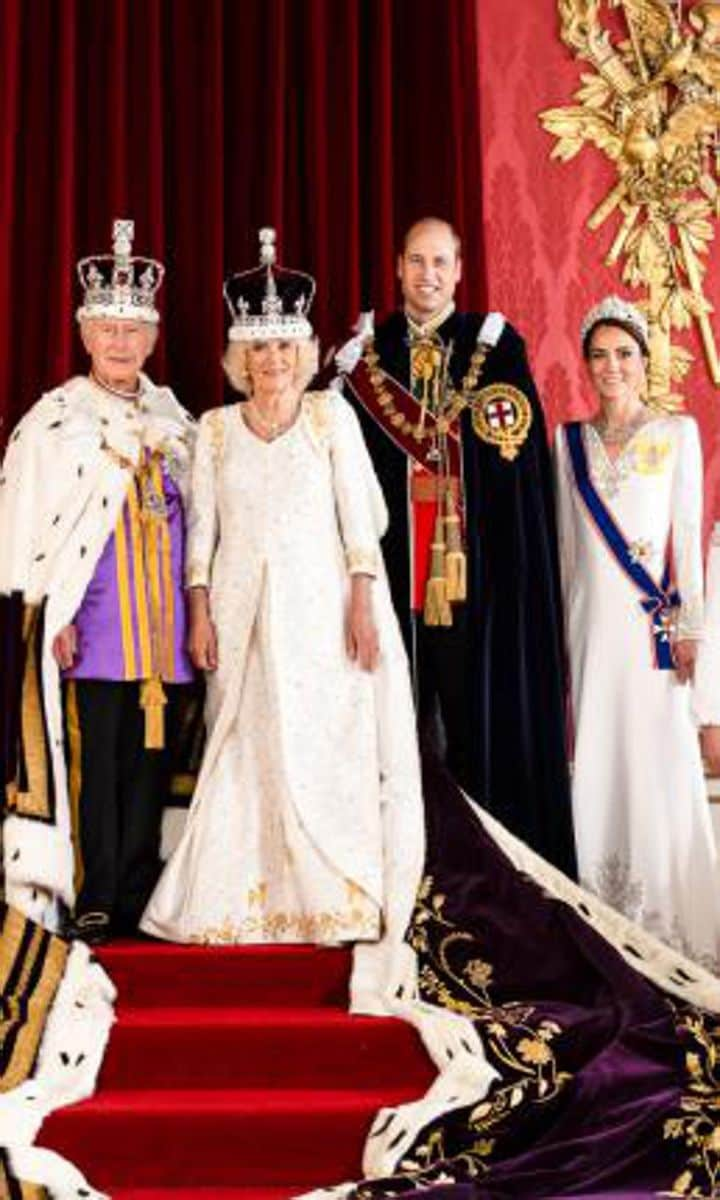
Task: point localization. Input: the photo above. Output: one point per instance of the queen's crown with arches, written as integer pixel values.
(269, 301)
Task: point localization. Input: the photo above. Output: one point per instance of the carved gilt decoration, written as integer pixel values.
(651, 104)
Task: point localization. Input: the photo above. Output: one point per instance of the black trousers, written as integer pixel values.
(443, 694)
(122, 789)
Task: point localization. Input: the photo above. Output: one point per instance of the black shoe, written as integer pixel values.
(93, 928)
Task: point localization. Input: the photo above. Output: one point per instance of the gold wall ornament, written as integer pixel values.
(651, 104)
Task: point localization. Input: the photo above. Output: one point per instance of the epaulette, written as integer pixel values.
(491, 329)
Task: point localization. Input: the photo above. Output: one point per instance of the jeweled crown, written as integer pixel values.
(120, 285)
(269, 301)
(614, 308)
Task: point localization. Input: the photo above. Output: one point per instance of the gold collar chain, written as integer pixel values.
(455, 401)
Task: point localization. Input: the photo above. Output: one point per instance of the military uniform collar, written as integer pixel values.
(425, 329)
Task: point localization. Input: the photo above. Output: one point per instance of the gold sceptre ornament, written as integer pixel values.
(651, 103)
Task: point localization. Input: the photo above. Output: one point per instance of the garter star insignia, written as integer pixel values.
(502, 416)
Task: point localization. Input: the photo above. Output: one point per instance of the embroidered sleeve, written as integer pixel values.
(687, 530)
(202, 517)
(360, 506)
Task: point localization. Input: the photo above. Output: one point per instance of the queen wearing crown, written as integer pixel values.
(92, 531)
(305, 825)
(629, 485)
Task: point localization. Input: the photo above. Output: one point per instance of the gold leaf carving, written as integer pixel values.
(651, 104)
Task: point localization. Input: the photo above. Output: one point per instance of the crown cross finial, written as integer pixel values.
(267, 247)
(123, 233)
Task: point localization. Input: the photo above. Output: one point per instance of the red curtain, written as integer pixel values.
(337, 121)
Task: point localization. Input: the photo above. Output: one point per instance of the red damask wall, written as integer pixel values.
(544, 267)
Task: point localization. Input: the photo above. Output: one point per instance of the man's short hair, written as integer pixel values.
(433, 221)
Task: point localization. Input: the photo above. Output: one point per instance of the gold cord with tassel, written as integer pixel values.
(455, 559)
(152, 702)
(437, 609)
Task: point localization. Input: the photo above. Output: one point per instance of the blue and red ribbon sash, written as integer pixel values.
(658, 599)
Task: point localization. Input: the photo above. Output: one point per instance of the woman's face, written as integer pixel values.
(616, 365)
(271, 365)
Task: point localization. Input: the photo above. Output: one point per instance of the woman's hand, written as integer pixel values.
(65, 647)
(710, 743)
(361, 635)
(684, 655)
(202, 639)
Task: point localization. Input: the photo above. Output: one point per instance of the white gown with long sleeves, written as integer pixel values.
(306, 825)
(642, 821)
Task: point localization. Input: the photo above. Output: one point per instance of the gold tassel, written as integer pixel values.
(153, 701)
(455, 559)
(437, 609)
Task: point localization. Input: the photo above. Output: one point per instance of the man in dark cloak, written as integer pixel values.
(457, 436)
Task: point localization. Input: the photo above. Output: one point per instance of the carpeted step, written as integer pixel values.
(266, 1047)
(158, 974)
(215, 1193)
(217, 1138)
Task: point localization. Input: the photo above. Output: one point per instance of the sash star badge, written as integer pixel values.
(502, 416)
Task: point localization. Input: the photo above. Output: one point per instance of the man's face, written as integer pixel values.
(118, 349)
(428, 269)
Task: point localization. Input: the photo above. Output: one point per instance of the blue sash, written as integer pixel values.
(658, 600)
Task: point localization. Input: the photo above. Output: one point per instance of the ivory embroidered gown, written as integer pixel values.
(308, 804)
(642, 820)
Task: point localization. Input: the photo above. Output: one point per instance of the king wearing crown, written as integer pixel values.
(93, 617)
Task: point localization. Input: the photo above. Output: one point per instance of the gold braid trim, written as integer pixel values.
(456, 401)
(35, 960)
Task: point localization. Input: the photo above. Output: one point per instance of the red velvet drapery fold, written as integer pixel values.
(338, 121)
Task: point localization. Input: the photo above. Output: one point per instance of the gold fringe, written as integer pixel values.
(455, 560)
(456, 575)
(437, 609)
(153, 701)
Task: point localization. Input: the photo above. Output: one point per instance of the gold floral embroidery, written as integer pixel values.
(316, 406)
(519, 1046)
(698, 1126)
(360, 919)
(216, 425)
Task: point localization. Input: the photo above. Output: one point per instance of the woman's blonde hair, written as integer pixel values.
(235, 364)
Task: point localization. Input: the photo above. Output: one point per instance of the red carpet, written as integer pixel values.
(234, 1073)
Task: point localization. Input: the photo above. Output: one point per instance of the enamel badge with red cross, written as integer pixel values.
(502, 416)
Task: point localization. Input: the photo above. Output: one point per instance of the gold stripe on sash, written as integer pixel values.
(166, 609)
(123, 584)
(136, 533)
(33, 1191)
(35, 801)
(74, 744)
(27, 1006)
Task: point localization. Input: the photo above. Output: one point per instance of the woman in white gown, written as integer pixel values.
(629, 486)
(306, 823)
